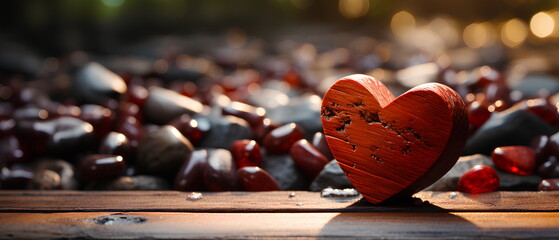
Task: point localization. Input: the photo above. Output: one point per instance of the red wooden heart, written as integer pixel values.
(393, 147)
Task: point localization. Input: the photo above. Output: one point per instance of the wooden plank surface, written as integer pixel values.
(141, 225)
(173, 201)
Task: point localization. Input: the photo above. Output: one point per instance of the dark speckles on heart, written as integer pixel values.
(376, 158)
(353, 147)
(357, 104)
(417, 136)
(342, 128)
(369, 117)
(406, 150)
(328, 113)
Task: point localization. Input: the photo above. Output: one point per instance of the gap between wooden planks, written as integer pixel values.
(174, 201)
(158, 225)
(244, 215)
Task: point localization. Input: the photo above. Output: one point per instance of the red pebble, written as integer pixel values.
(479, 179)
(257, 179)
(246, 153)
(102, 167)
(137, 94)
(263, 128)
(193, 129)
(543, 109)
(319, 142)
(551, 184)
(280, 139)
(478, 113)
(253, 115)
(101, 118)
(191, 175)
(519, 160)
(540, 144)
(307, 158)
(486, 75)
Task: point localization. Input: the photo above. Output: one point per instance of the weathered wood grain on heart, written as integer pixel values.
(393, 147)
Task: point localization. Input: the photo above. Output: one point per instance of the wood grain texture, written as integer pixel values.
(393, 147)
(279, 201)
(160, 225)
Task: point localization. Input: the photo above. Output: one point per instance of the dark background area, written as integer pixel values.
(60, 26)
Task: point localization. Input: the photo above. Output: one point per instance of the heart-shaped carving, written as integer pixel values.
(391, 147)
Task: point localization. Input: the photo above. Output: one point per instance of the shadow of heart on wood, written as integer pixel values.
(390, 147)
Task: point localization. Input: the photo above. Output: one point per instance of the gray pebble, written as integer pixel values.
(330, 176)
(283, 169)
(163, 152)
(164, 105)
(508, 128)
(95, 84)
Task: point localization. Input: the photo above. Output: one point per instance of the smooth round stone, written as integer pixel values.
(508, 128)
(64, 169)
(497, 92)
(542, 108)
(284, 170)
(263, 128)
(246, 153)
(163, 105)
(553, 145)
(551, 184)
(224, 131)
(319, 142)
(307, 158)
(63, 136)
(101, 118)
(94, 83)
(331, 176)
(257, 179)
(550, 168)
(191, 175)
(163, 152)
(479, 179)
(221, 171)
(253, 115)
(101, 167)
(117, 144)
(478, 113)
(134, 183)
(268, 98)
(282, 138)
(132, 129)
(194, 129)
(531, 85)
(303, 111)
(519, 160)
(15, 178)
(540, 146)
(46, 180)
